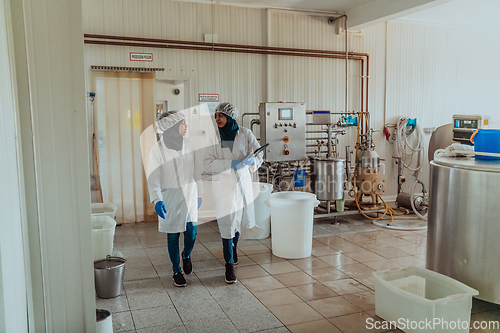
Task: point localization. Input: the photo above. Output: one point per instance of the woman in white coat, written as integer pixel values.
(175, 188)
(226, 157)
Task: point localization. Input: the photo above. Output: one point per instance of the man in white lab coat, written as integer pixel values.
(227, 157)
(175, 188)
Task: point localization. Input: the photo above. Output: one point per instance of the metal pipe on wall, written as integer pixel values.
(247, 114)
(238, 48)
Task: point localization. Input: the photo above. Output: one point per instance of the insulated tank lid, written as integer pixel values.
(467, 163)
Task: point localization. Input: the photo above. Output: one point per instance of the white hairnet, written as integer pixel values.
(167, 120)
(228, 109)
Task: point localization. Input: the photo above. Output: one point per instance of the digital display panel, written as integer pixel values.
(285, 114)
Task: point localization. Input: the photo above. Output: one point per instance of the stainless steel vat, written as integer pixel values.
(327, 178)
(368, 159)
(463, 239)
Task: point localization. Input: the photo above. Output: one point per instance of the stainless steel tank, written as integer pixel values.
(327, 178)
(464, 223)
(368, 159)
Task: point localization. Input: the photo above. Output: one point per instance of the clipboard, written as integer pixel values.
(258, 150)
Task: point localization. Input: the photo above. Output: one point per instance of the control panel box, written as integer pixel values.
(465, 125)
(283, 126)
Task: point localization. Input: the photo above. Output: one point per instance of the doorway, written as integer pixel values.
(123, 110)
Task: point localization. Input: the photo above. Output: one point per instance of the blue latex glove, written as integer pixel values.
(248, 160)
(235, 164)
(160, 209)
(199, 202)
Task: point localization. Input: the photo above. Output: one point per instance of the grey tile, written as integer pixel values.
(199, 247)
(281, 329)
(245, 304)
(148, 300)
(117, 304)
(248, 242)
(164, 270)
(194, 289)
(230, 293)
(124, 231)
(145, 233)
(215, 324)
(124, 244)
(199, 256)
(153, 242)
(122, 321)
(212, 245)
(160, 259)
(125, 239)
(251, 321)
(206, 265)
(197, 309)
(132, 253)
(210, 275)
(157, 251)
(177, 328)
(210, 237)
(139, 273)
(137, 263)
(159, 316)
(143, 286)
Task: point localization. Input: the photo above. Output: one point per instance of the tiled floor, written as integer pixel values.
(331, 291)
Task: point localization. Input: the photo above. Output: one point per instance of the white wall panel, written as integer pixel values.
(434, 72)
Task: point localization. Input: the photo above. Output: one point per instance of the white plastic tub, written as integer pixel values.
(261, 192)
(103, 233)
(292, 216)
(108, 209)
(420, 300)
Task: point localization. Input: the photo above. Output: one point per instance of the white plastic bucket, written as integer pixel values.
(292, 216)
(108, 209)
(103, 233)
(261, 192)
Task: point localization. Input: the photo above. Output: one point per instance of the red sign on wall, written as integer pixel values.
(208, 98)
(141, 56)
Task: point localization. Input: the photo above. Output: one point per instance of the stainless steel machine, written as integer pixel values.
(327, 178)
(463, 223)
(465, 125)
(283, 126)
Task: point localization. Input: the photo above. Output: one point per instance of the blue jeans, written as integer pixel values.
(173, 246)
(227, 248)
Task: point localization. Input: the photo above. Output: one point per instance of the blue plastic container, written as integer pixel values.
(487, 141)
(299, 176)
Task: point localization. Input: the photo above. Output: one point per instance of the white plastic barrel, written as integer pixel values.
(103, 233)
(261, 193)
(292, 216)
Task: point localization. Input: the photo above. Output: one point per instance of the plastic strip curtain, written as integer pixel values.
(124, 107)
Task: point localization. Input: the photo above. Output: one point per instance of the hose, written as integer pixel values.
(404, 148)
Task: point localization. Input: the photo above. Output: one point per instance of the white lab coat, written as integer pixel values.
(178, 189)
(232, 189)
